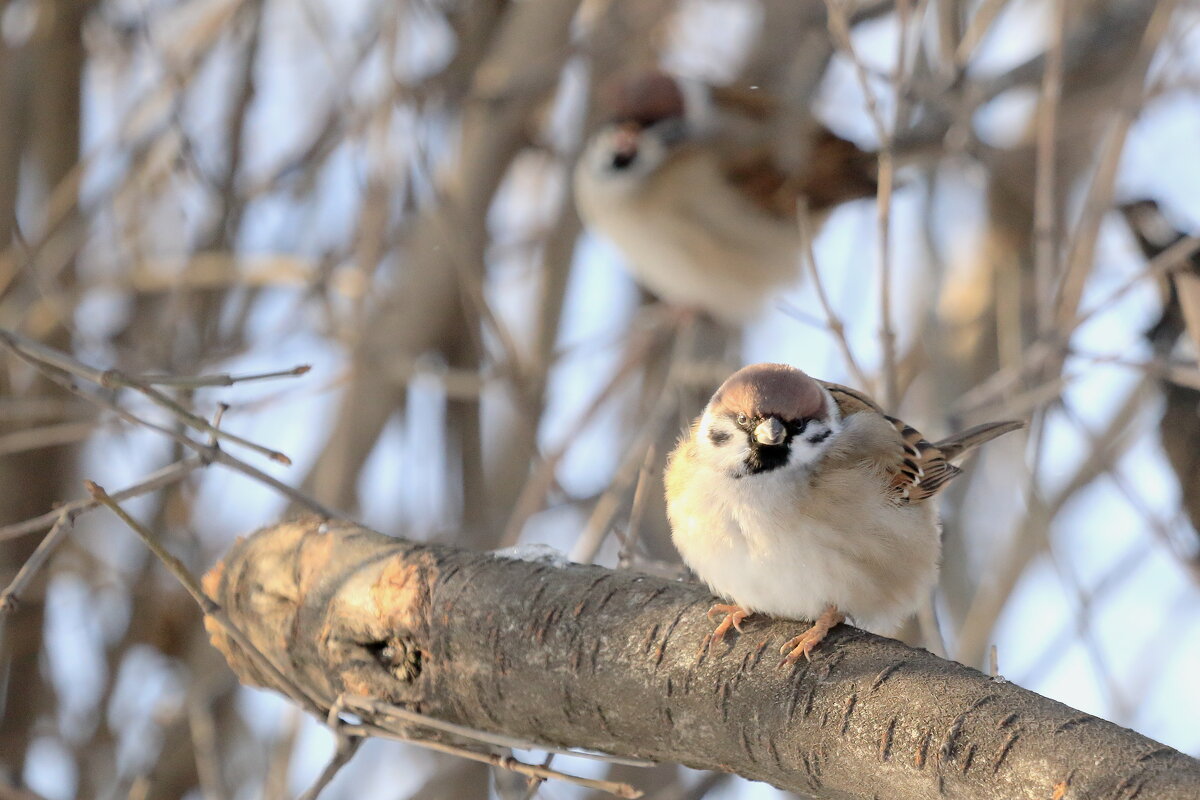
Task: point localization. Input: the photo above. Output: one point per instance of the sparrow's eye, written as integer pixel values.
(742, 419)
(622, 160)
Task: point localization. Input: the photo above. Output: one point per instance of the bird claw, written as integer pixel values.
(733, 619)
(805, 643)
(802, 645)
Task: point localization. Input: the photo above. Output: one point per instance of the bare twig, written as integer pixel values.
(208, 453)
(1033, 536)
(46, 436)
(981, 23)
(304, 697)
(832, 320)
(12, 595)
(223, 379)
(35, 352)
(275, 786)
(503, 762)
(629, 541)
(1040, 353)
(164, 477)
(542, 476)
(840, 29)
(204, 738)
(345, 749)
(374, 709)
(1045, 209)
(599, 524)
(1081, 253)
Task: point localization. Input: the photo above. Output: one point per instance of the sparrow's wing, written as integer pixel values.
(690, 204)
(834, 171)
(958, 444)
(769, 188)
(850, 401)
(837, 170)
(916, 470)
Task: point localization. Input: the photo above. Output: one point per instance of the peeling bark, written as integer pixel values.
(582, 656)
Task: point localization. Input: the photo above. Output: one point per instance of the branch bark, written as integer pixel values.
(582, 656)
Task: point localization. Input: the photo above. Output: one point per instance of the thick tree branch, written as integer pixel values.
(582, 656)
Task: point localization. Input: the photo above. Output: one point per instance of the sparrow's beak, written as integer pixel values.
(770, 431)
(625, 143)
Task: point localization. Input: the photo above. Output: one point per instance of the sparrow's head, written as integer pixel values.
(647, 116)
(767, 417)
(645, 98)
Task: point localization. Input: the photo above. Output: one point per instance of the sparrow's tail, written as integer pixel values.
(954, 446)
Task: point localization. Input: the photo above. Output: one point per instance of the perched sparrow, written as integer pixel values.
(799, 498)
(703, 224)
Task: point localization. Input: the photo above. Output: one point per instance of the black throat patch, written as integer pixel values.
(764, 457)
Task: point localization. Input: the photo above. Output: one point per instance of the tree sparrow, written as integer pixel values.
(706, 224)
(799, 498)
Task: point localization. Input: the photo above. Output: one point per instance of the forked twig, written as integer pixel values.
(12, 595)
(208, 452)
(42, 356)
(495, 760)
(208, 606)
(168, 475)
(347, 746)
(374, 709)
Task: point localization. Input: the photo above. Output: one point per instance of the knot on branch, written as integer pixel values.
(366, 597)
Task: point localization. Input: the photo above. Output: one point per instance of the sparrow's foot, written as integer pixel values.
(733, 619)
(806, 642)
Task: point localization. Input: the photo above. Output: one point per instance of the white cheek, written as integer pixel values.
(805, 453)
(729, 456)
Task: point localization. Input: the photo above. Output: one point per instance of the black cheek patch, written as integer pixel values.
(819, 437)
(718, 437)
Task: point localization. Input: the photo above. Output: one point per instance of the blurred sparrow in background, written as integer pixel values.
(802, 499)
(707, 221)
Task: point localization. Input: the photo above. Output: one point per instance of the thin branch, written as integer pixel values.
(599, 524)
(167, 476)
(541, 478)
(374, 709)
(275, 786)
(347, 746)
(832, 320)
(203, 729)
(10, 597)
(840, 29)
(35, 352)
(1045, 208)
(207, 605)
(1033, 536)
(979, 26)
(1040, 353)
(629, 541)
(503, 762)
(222, 379)
(45, 436)
(1081, 254)
(208, 453)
